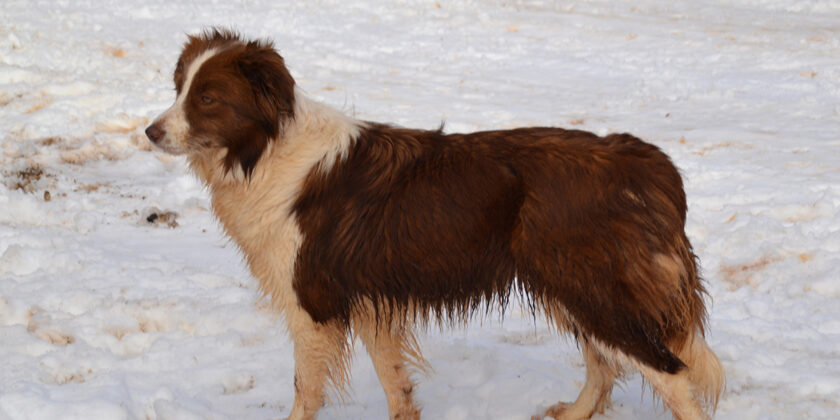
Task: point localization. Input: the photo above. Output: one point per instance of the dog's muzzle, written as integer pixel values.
(155, 133)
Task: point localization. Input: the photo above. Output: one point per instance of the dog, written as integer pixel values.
(368, 230)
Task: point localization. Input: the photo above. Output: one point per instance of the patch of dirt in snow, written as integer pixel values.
(740, 275)
(158, 217)
(25, 179)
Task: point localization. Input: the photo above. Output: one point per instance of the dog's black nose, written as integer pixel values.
(155, 133)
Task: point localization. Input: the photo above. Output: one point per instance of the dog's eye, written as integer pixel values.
(206, 100)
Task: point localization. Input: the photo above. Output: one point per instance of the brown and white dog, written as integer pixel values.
(355, 226)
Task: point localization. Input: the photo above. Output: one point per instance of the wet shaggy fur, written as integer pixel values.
(443, 223)
(367, 228)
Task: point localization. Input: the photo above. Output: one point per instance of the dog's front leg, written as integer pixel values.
(320, 358)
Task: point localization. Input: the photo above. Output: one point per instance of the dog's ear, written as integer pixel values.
(272, 86)
(273, 92)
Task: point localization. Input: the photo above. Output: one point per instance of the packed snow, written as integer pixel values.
(120, 298)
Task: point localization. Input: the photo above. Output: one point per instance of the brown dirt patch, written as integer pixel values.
(741, 275)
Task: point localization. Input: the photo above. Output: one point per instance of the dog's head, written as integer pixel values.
(231, 94)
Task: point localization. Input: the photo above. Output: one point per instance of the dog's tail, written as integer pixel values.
(704, 371)
(685, 321)
(704, 368)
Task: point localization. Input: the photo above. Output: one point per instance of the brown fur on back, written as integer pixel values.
(444, 223)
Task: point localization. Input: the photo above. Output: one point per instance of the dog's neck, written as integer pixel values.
(316, 135)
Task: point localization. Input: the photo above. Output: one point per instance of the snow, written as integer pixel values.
(105, 315)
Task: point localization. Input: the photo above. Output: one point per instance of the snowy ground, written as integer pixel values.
(106, 316)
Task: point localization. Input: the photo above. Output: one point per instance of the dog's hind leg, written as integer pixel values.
(388, 348)
(595, 395)
(321, 351)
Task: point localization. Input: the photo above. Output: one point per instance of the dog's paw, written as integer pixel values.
(555, 412)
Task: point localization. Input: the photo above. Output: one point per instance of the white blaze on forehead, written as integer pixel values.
(195, 65)
(174, 120)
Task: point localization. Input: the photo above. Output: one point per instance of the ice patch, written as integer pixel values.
(14, 41)
(13, 312)
(238, 382)
(74, 88)
(829, 287)
(20, 260)
(21, 209)
(10, 75)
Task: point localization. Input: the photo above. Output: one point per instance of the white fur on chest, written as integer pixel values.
(257, 213)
